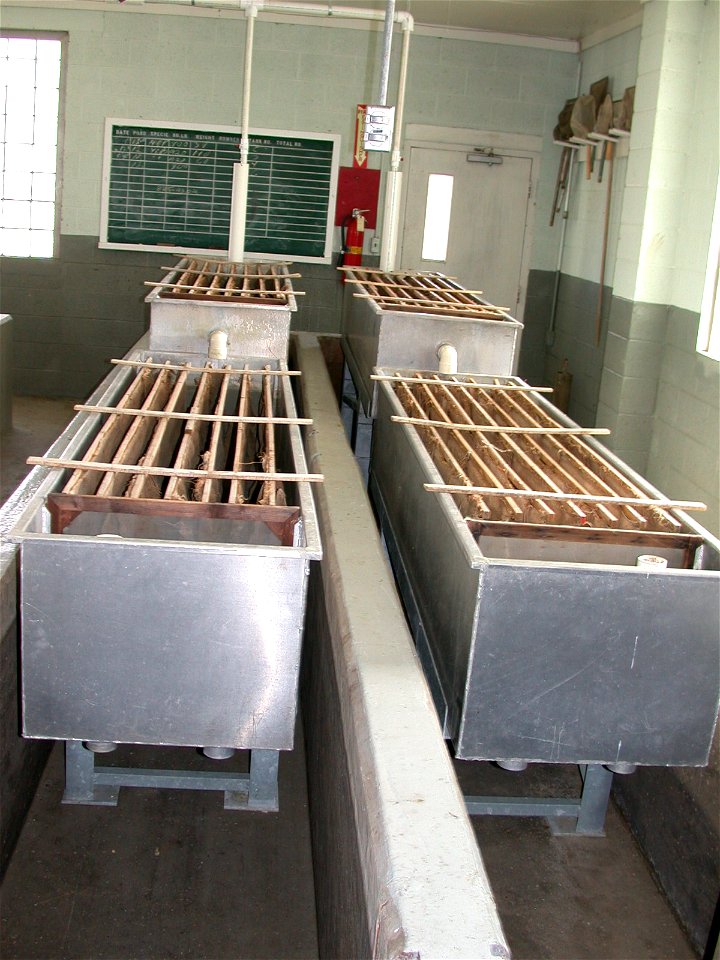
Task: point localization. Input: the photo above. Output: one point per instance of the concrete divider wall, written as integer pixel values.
(398, 871)
(21, 761)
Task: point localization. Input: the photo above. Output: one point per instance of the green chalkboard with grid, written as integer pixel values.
(171, 187)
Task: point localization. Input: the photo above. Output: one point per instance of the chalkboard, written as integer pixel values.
(167, 188)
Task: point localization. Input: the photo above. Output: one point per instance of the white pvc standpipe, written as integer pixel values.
(238, 209)
(650, 562)
(218, 345)
(391, 220)
(447, 355)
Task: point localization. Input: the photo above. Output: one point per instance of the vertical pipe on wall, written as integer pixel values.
(241, 171)
(387, 48)
(393, 190)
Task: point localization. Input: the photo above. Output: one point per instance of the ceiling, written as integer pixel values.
(564, 19)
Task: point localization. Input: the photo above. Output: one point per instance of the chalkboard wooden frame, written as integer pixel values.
(142, 208)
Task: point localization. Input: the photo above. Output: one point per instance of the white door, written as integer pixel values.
(487, 226)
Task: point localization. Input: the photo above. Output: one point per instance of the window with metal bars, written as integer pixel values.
(30, 86)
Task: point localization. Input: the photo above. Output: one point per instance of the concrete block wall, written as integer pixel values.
(685, 444)
(184, 64)
(629, 377)
(74, 313)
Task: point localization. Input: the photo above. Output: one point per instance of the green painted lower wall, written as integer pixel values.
(74, 313)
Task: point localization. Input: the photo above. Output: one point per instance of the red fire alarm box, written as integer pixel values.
(358, 189)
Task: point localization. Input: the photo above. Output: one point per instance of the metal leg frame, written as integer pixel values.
(584, 816)
(87, 784)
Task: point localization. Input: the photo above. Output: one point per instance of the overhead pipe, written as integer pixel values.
(393, 189)
(289, 7)
(387, 50)
(241, 171)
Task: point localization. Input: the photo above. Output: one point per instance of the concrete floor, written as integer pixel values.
(36, 423)
(171, 874)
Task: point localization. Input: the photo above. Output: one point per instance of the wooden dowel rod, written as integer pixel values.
(461, 383)
(56, 463)
(235, 371)
(448, 305)
(552, 495)
(396, 273)
(219, 276)
(231, 263)
(179, 415)
(482, 428)
(414, 286)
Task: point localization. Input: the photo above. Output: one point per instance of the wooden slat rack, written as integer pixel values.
(262, 284)
(209, 444)
(516, 471)
(431, 293)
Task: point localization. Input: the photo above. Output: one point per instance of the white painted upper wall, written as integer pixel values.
(702, 164)
(672, 168)
(186, 66)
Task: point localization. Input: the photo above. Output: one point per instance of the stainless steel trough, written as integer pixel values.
(165, 621)
(164, 559)
(401, 319)
(546, 641)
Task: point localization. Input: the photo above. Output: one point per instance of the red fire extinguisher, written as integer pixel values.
(353, 234)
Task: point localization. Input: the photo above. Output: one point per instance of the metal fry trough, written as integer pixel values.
(401, 319)
(565, 610)
(164, 565)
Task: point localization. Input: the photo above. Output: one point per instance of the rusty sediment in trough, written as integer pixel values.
(210, 441)
(514, 470)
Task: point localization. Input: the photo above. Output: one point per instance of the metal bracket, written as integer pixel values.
(99, 786)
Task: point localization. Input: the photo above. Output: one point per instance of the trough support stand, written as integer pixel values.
(86, 783)
(583, 817)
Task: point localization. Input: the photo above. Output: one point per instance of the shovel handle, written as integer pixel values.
(560, 182)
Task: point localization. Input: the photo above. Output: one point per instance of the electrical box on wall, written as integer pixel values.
(379, 123)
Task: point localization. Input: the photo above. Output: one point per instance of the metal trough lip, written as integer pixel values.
(166, 638)
(525, 639)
